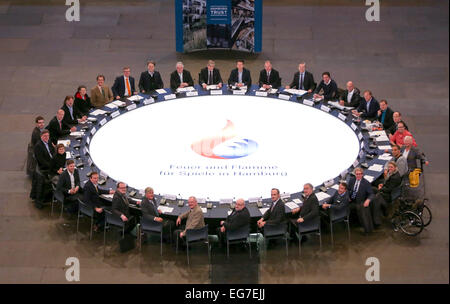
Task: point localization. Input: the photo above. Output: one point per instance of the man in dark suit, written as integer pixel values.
(69, 185)
(368, 109)
(150, 80)
(210, 76)
(44, 151)
(276, 213)
(385, 115)
(309, 211)
(58, 128)
(303, 80)
(238, 218)
(35, 138)
(268, 77)
(240, 76)
(180, 78)
(124, 85)
(361, 196)
(150, 211)
(71, 114)
(91, 196)
(328, 86)
(339, 200)
(350, 97)
(396, 117)
(120, 206)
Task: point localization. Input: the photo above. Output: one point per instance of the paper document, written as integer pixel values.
(135, 98)
(382, 138)
(119, 103)
(376, 167)
(65, 142)
(204, 210)
(292, 205)
(369, 178)
(273, 91)
(77, 133)
(165, 209)
(97, 112)
(385, 156)
(263, 210)
(107, 195)
(161, 91)
(111, 106)
(185, 89)
(322, 196)
(296, 92)
(212, 87)
(68, 155)
(336, 187)
(297, 201)
(338, 106)
(385, 147)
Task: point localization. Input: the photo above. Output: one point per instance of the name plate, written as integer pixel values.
(238, 92)
(325, 108)
(362, 145)
(260, 93)
(284, 96)
(88, 140)
(356, 163)
(342, 117)
(149, 101)
(93, 131)
(131, 107)
(170, 96)
(361, 153)
(353, 126)
(226, 201)
(308, 102)
(192, 93)
(216, 92)
(360, 136)
(103, 121)
(115, 114)
(254, 199)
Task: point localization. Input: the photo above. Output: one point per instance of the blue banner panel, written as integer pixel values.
(218, 12)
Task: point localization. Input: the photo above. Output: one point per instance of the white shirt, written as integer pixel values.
(72, 179)
(405, 153)
(350, 95)
(181, 77)
(327, 83)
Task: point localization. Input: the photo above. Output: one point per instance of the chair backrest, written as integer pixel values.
(113, 219)
(274, 230)
(309, 225)
(193, 235)
(238, 234)
(150, 225)
(59, 196)
(339, 213)
(85, 208)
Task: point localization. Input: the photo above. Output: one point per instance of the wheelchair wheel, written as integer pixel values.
(425, 213)
(410, 223)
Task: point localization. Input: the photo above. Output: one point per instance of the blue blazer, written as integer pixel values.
(118, 87)
(364, 191)
(373, 109)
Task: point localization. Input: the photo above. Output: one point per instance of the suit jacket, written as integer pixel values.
(67, 118)
(91, 195)
(356, 98)
(330, 91)
(83, 106)
(389, 185)
(175, 79)
(56, 131)
(149, 208)
(274, 78)
(277, 215)
(373, 109)
(413, 155)
(338, 201)
(310, 208)
(246, 77)
(58, 161)
(121, 204)
(388, 120)
(118, 88)
(97, 99)
(35, 136)
(364, 191)
(237, 219)
(194, 218)
(203, 76)
(41, 154)
(148, 83)
(64, 184)
(308, 81)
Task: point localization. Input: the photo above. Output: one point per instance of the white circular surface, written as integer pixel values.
(160, 146)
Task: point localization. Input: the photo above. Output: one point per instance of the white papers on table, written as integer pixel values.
(97, 112)
(385, 156)
(338, 106)
(285, 196)
(216, 92)
(204, 210)
(322, 196)
(336, 187)
(111, 106)
(225, 201)
(185, 89)
(135, 199)
(119, 103)
(110, 196)
(296, 92)
(77, 133)
(369, 178)
(165, 209)
(68, 154)
(291, 205)
(318, 98)
(273, 91)
(385, 147)
(212, 87)
(92, 119)
(297, 201)
(382, 138)
(65, 142)
(161, 91)
(376, 167)
(135, 98)
(263, 210)
(377, 133)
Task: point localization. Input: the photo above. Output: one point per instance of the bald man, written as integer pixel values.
(238, 218)
(194, 217)
(58, 128)
(351, 96)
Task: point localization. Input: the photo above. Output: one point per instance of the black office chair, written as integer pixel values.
(272, 232)
(238, 236)
(151, 227)
(195, 236)
(58, 197)
(112, 219)
(85, 209)
(338, 215)
(308, 227)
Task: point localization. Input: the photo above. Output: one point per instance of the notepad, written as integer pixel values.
(369, 178)
(161, 91)
(376, 133)
(263, 210)
(135, 98)
(165, 209)
(297, 201)
(385, 147)
(382, 138)
(376, 167)
(76, 133)
(385, 156)
(119, 103)
(273, 91)
(97, 112)
(68, 155)
(291, 205)
(204, 210)
(111, 106)
(322, 196)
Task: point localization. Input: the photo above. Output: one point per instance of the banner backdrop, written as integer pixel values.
(218, 24)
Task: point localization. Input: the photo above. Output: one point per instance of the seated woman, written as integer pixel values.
(58, 163)
(82, 102)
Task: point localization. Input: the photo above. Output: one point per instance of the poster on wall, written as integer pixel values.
(218, 24)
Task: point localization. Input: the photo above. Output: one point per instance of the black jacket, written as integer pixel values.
(338, 201)
(58, 161)
(120, 204)
(35, 136)
(91, 196)
(364, 191)
(277, 215)
(246, 77)
(64, 184)
(394, 181)
(388, 119)
(149, 208)
(175, 79)
(83, 106)
(237, 219)
(203, 76)
(118, 88)
(310, 208)
(330, 91)
(55, 131)
(41, 154)
(373, 109)
(69, 120)
(148, 83)
(308, 81)
(274, 78)
(356, 98)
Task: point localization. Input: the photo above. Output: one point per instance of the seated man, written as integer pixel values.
(309, 210)
(120, 206)
(101, 94)
(58, 163)
(303, 80)
(368, 109)
(399, 136)
(240, 76)
(268, 77)
(412, 154)
(71, 114)
(150, 80)
(210, 76)
(124, 85)
(396, 117)
(328, 86)
(400, 161)
(194, 218)
(276, 213)
(238, 218)
(385, 115)
(361, 196)
(351, 96)
(91, 197)
(69, 185)
(180, 78)
(58, 128)
(339, 200)
(150, 211)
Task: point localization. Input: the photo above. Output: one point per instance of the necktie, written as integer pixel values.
(271, 207)
(301, 82)
(355, 189)
(239, 77)
(103, 93)
(209, 77)
(181, 78)
(96, 188)
(268, 76)
(60, 125)
(71, 113)
(128, 87)
(48, 150)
